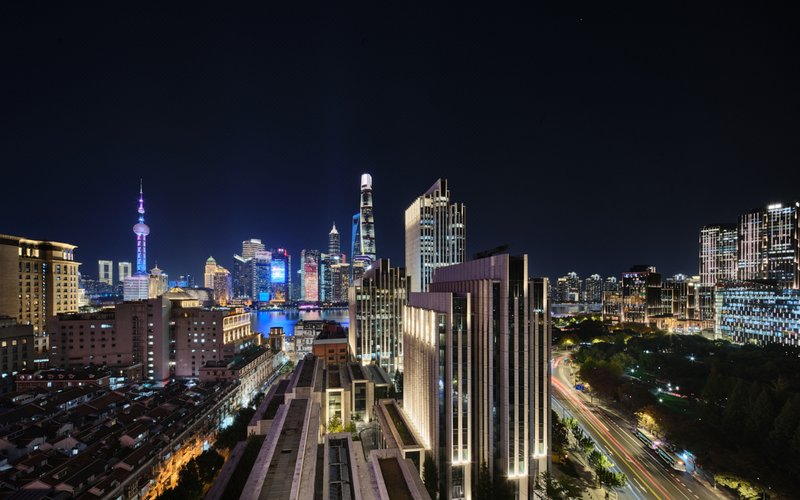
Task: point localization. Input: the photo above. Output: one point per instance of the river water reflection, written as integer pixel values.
(264, 320)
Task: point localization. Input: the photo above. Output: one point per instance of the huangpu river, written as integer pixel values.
(287, 319)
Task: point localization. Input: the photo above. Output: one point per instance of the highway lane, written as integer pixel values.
(648, 476)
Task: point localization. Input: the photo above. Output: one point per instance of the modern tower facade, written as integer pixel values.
(718, 256)
(435, 235)
(208, 274)
(769, 245)
(363, 244)
(309, 275)
(219, 280)
(38, 279)
(593, 289)
(105, 272)
(334, 257)
(158, 283)
(280, 276)
(758, 313)
(334, 241)
(123, 271)
(242, 277)
(262, 267)
(483, 329)
(250, 247)
(136, 287)
(641, 294)
(376, 316)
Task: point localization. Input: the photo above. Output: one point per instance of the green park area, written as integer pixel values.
(735, 407)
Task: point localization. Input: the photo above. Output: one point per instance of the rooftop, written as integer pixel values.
(278, 483)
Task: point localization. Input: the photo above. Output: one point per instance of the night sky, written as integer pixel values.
(590, 138)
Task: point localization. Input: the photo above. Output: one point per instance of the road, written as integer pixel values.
(648, 476)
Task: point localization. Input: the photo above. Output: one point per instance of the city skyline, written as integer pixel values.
(590, 123)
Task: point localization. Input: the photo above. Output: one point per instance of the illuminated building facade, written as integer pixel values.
(484, 325)
(170, 335)
(435, 235)
(123, 271)
(219, 280)
(38, 279)
(262, 267)
(223, 286)
(718, 253)
(568, 288)
(641, 295)
(376, 316)
(439, 355)
(242, 277)
(340, 277)
(105, 272)
(208, 274)
(280, 276)
(136, 287)
(593, 289)
(16, 351)
(250, 247)
(158, 283)
(309, 275)
(363, 244)
(758, 312)
(768, 245)
(328, 287)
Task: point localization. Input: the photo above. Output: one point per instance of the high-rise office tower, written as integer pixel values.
(340, 277)
(123, 271)
(641, 294)
(208, 274)
(718, 256)
(769, 245)
(280, 276)
(105, 272)
(158, 283)
(568, 288)
(593, 289)
(435, 235)
(611, 284)
(363, 244)
(219, 280)
(476, 372)
(250, 247)
(222, 286)
(309, 275)
(334, 242)
(262, 264)
(38, 279)
(136, 287)
(242, 277)
(327, 261)
(376, 316)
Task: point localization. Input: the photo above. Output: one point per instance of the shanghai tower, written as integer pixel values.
(363, 247)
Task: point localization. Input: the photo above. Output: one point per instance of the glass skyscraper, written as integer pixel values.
(363, 245)
(435, 235)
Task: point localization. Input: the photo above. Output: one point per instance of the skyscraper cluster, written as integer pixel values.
(571, 289)
(472, 339)
(747, 288)
(750, 272)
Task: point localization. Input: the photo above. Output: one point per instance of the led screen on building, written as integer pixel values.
(278, 272)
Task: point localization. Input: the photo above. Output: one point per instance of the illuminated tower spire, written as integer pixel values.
(141, 231)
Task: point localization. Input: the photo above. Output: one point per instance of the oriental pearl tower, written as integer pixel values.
(141, 230)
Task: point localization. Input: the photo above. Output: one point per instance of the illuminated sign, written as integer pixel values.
(263, 296)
